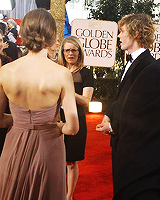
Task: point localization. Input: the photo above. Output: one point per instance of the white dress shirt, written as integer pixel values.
(134, 55)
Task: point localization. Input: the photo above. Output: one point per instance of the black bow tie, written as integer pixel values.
(129, 57)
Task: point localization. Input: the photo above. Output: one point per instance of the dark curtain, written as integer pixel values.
(43, 4)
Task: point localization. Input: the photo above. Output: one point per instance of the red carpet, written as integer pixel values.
(95, 172)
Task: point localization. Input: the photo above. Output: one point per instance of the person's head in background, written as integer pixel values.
(53, 50)
(3, 57)
(3, 45)
(1, 42)
(38, 30)
(11, 24)
(136, 31)
(71, 53)
(3, 27)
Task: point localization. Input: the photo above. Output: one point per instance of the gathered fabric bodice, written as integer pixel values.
(39, 116)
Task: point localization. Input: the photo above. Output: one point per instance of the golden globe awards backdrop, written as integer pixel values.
(99, 40)
(156, 45)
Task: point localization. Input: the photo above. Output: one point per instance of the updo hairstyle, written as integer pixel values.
(38, 30)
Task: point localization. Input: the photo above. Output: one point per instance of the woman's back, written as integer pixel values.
(33, 81)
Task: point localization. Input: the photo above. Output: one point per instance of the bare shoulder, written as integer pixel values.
(61, 67)
(4, 70)
(8, 68)
(9, 71)
(11, 65)
(63, 71)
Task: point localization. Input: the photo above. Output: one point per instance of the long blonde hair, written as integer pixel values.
(73, 40)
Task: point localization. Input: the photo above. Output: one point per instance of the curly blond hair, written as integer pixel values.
(140, 27)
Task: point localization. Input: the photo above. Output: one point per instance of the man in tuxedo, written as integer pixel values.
(133, 120)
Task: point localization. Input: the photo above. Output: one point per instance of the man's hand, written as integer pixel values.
(105, 126)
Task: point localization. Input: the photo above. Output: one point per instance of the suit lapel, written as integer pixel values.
(133, 65)
(134, 68)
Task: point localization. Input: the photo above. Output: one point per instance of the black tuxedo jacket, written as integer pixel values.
(137, 66)
(129, 125)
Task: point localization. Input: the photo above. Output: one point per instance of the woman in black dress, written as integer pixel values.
(72, 56)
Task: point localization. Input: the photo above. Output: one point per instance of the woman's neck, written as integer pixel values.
(71, 67)
(42, 53)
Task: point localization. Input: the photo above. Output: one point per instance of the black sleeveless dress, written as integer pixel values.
(75, 145)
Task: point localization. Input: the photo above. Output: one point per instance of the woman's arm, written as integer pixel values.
(71, 126)
(86, 96)
(5, 119)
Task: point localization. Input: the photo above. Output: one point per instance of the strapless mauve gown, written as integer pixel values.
(32, 164)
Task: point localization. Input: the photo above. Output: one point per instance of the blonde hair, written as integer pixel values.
(73, 40)
(140, 27)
